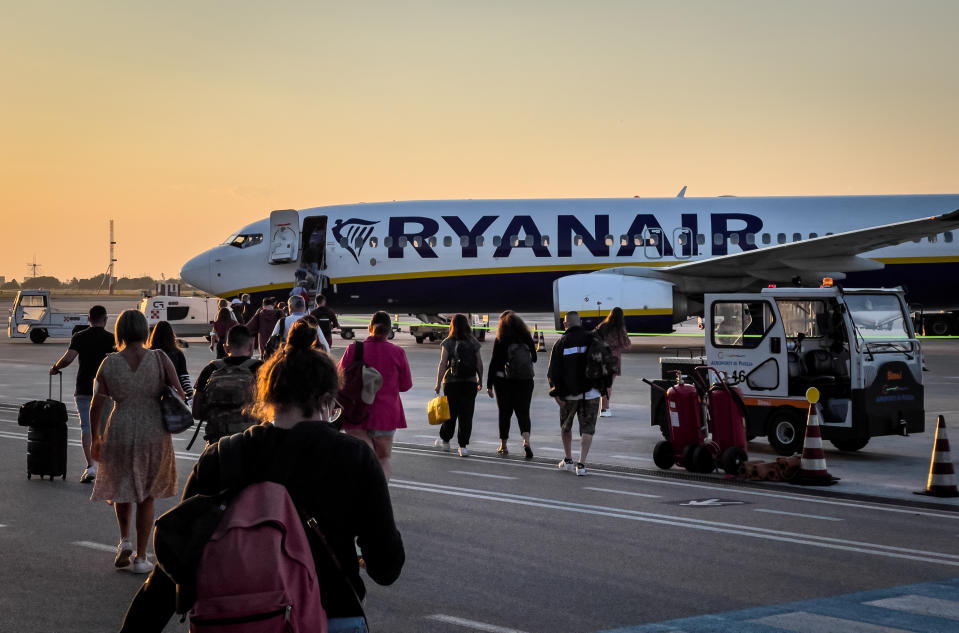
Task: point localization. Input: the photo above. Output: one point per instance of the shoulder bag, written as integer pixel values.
(176, 415)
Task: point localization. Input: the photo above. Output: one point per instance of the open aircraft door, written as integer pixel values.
(284, 236)
(746, 340)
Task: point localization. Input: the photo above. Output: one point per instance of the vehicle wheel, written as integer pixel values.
(29, 476)
(688, 462)
(663, 455)
(938, 327)
(703, 460)
(419, 339)
(391, 335)
(662, 420)
(38, 335)
(347, 334)
(481, 336)
(732, 460)
(786, 431)
(850, 445)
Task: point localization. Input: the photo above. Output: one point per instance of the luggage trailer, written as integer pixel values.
(857, 346)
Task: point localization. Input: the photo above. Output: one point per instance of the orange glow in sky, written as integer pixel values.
(183, 121)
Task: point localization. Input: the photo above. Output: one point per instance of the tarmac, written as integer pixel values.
(888, 468)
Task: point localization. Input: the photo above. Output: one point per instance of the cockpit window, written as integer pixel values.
(247, 240)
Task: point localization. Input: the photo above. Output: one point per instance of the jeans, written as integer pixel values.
(83, 410)
(347, 625)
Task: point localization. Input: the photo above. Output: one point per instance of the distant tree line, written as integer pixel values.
(91, 283)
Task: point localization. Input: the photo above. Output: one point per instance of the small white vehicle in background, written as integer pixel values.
(189, 316)
(32, 316)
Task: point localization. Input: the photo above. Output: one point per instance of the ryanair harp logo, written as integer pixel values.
(353, 234)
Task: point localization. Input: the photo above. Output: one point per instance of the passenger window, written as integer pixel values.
(609, 240)
(700, 239)
(344, 242)
(740, 323)
(417, 240)
(529, 240)
(751, 239)
(514, 240)
(637, 240)
(781, 238)
(767, 238)
(432, 241)
(947, 236)
(813, 236)
(717, 239)
(497, 240)
(546, 240)
(578, 240)
(734, 239)
(447, 241)
(373, 242)
(797, 237)
(623, 240)
(388, 241)
(464, 241)
(402, 241)
(480, 240)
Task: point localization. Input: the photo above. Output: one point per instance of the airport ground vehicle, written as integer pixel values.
(189, 316)
(857, 346)
(32, 316)
(439, 329)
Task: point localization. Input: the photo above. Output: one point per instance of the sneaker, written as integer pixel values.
(124, 552)
(580, 469)
(439, 443)
(141, 566)
(567, 464)
(88, 475)
(464, 452)
(606, 413)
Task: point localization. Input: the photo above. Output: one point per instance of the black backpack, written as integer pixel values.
(519, 362)
(601, 364)
(463, 360)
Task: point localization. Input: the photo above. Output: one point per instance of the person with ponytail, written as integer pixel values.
(613, 330)
(296, 446)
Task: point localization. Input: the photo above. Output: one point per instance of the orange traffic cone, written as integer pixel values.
(942, 474)
(812, 470)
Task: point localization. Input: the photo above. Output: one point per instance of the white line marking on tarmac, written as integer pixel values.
(23, 437)
(474, 474)
(100, 547)
(652, 479)
(623, 492)
(797, 514)
(846, 545)
(803, 622)
(633, 457)
(472, 624)
(921, 605)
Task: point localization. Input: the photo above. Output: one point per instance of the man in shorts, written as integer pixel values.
(573, 392)
(91, 346)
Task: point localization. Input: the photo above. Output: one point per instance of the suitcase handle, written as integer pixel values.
(50, 389)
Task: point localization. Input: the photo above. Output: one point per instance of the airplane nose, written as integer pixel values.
(196, 272)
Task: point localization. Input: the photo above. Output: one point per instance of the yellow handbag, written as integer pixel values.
(438, 410)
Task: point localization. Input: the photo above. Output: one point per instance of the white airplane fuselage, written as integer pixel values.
(428, 257)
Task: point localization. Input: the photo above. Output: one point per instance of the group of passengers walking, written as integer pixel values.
(130, 455)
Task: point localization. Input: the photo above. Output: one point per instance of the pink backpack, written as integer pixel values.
(256, 572)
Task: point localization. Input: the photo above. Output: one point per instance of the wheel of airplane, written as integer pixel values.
(939, 327)
(732, 460)
(785, 431)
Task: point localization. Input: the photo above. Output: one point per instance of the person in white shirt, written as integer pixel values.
(297, 312)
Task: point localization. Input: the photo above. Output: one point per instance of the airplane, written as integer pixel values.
(653, 257)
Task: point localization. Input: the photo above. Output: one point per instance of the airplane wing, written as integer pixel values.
(829, 254)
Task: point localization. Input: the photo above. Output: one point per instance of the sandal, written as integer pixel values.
(529, 451)
(502, 450)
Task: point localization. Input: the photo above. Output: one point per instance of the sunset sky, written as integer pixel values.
(184, 120)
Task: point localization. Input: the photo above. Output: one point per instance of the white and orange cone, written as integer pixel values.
(942, 474)
(812, 471)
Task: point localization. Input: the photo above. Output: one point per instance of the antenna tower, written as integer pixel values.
(108, 277)
(34, 266)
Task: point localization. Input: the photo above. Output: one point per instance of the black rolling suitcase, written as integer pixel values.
(46, 435)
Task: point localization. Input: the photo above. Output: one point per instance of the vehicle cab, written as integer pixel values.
(856, 346)
(32, 316)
